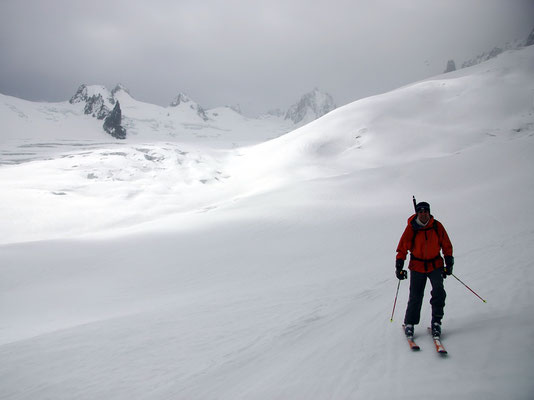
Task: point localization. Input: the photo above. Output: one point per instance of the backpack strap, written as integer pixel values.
(426, 262)
(434, 225)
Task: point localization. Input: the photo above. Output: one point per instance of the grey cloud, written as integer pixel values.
(260, 54)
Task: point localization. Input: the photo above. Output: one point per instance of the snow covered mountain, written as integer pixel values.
(311, 106)
(82, 118)
(183, 120)
(171, 269)
(97, 100)
(182, 100)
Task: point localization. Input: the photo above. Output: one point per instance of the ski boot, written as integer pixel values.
(408, 330)
(436, 330)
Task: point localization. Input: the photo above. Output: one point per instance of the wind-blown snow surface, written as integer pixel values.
(169, 271)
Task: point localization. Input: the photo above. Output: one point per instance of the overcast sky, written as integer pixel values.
(258, 54)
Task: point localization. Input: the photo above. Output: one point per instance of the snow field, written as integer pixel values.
(278, 281)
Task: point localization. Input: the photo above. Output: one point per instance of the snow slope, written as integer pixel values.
(168, 270)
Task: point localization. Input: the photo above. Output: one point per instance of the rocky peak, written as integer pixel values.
(311, 106)
(101, 103)
(236, 108)
(118, 88)
(182, 100)
(98, 100)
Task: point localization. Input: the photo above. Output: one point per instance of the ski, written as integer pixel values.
(411, 342)
(437, 342)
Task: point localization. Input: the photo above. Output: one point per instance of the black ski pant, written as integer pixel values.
(417, 291)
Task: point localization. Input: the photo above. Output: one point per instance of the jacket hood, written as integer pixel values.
(415, 225)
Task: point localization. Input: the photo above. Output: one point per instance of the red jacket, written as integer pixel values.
(424, 245)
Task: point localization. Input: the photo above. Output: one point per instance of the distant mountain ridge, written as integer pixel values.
(494, 52)
(100, 103)
(95, 113)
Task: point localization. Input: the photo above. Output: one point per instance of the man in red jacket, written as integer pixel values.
(425, 238)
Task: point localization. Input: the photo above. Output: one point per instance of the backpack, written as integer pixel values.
(426, 262)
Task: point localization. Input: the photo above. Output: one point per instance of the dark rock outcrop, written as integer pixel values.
(451, 66)
(112, 123)
(95, 104)
(530, 39)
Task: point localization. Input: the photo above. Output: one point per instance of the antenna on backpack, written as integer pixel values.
(414, 204)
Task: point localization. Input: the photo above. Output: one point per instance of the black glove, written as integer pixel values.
(399, 272)
(449, 262)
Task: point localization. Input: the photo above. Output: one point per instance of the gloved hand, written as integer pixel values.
(449, 262)
(399, 272)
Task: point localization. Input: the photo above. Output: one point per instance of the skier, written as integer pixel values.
(425, 238)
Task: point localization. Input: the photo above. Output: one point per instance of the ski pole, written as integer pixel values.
(395, 303)
(469, 288)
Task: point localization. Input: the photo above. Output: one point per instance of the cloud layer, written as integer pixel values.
(259, 54)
